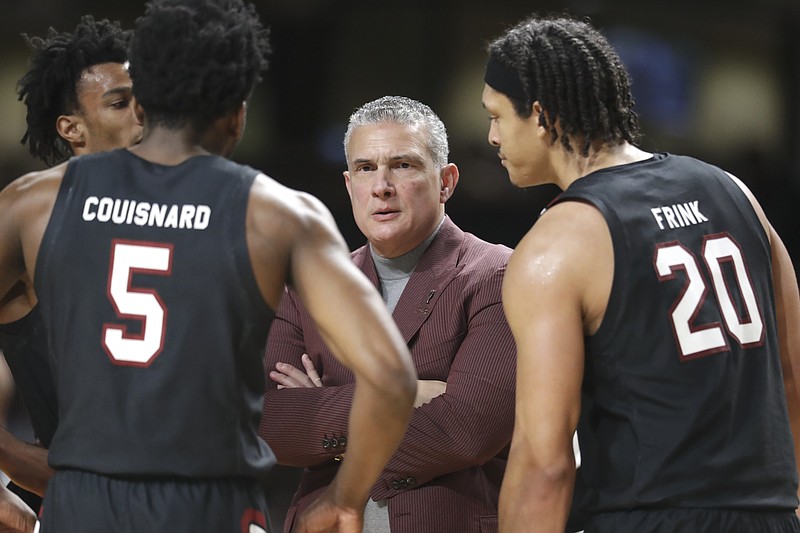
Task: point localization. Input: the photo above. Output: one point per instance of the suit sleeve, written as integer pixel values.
(305, 426)
(473, 420)
(468, 425)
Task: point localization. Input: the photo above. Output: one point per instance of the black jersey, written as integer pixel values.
(24, 346)
(685, 404)
(156, 325)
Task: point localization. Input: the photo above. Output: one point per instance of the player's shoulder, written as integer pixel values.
(33, 184)
(269, 191)
(762, 217)
(569, 237)
(570, 222)
(276, 205)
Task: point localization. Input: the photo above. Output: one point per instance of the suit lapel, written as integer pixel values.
(436, 269)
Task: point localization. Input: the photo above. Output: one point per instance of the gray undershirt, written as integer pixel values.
(394, 274)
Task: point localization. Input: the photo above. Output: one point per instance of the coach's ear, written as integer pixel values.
(449, 176)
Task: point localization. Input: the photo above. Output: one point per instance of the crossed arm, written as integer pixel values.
(467, 424)
(288, 376)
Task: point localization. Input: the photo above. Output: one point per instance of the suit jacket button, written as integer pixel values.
(326, 443)
(410, 481)
(342, 441)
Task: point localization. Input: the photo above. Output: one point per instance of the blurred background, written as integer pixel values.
(717, 79)
(714, 79)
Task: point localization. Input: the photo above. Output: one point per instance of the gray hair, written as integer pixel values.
(402, 110)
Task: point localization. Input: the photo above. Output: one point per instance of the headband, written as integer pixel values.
(504, 79)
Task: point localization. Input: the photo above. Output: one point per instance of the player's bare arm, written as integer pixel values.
(17, 303)
(297, 236)
(25, 464)
(15, 516)
(570, 276)
(11, 258)
(25, 207)
(787, 313)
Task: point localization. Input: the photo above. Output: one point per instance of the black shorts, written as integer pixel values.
(90, 503)
(33, 500)
(694, 521)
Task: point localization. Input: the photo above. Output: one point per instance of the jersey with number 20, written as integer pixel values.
(685, 401)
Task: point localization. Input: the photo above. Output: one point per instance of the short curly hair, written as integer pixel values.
(193, 61)
(402, 110)
(49, 87)
(577, 77)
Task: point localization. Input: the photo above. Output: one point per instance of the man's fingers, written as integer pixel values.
(283, 380)
(289, 376)
(311, 371)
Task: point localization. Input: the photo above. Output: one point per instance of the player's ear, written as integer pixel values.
(72, 130)
(226, 131)
(536, 111)
(238, 121)
(138, 111)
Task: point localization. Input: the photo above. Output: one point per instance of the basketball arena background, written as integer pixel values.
(715, 79)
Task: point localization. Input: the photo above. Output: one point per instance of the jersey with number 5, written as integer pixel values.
(684, 400)
(154, 319)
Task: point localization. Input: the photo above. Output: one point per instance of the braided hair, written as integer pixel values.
(577, 77)
(49, 87)
(193, 61)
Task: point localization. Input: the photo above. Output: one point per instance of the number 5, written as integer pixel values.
(128, 258)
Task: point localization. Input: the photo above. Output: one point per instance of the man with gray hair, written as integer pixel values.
(443, 287)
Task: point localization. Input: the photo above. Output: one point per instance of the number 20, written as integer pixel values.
(696, 341)
(141, 304)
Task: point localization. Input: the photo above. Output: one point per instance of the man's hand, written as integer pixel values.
(427, 390)
(326, 516)
(15, 516)
(287, 376)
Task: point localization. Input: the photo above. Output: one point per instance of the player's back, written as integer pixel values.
(156, 324)
(688, 407)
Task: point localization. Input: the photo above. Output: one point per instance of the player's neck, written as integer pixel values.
(574, 166)
(167, 146)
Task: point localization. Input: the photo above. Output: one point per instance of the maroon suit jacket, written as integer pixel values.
(446, 474)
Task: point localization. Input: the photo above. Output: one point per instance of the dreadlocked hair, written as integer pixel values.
(49, 87)
(577, 77)
(193, 61)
